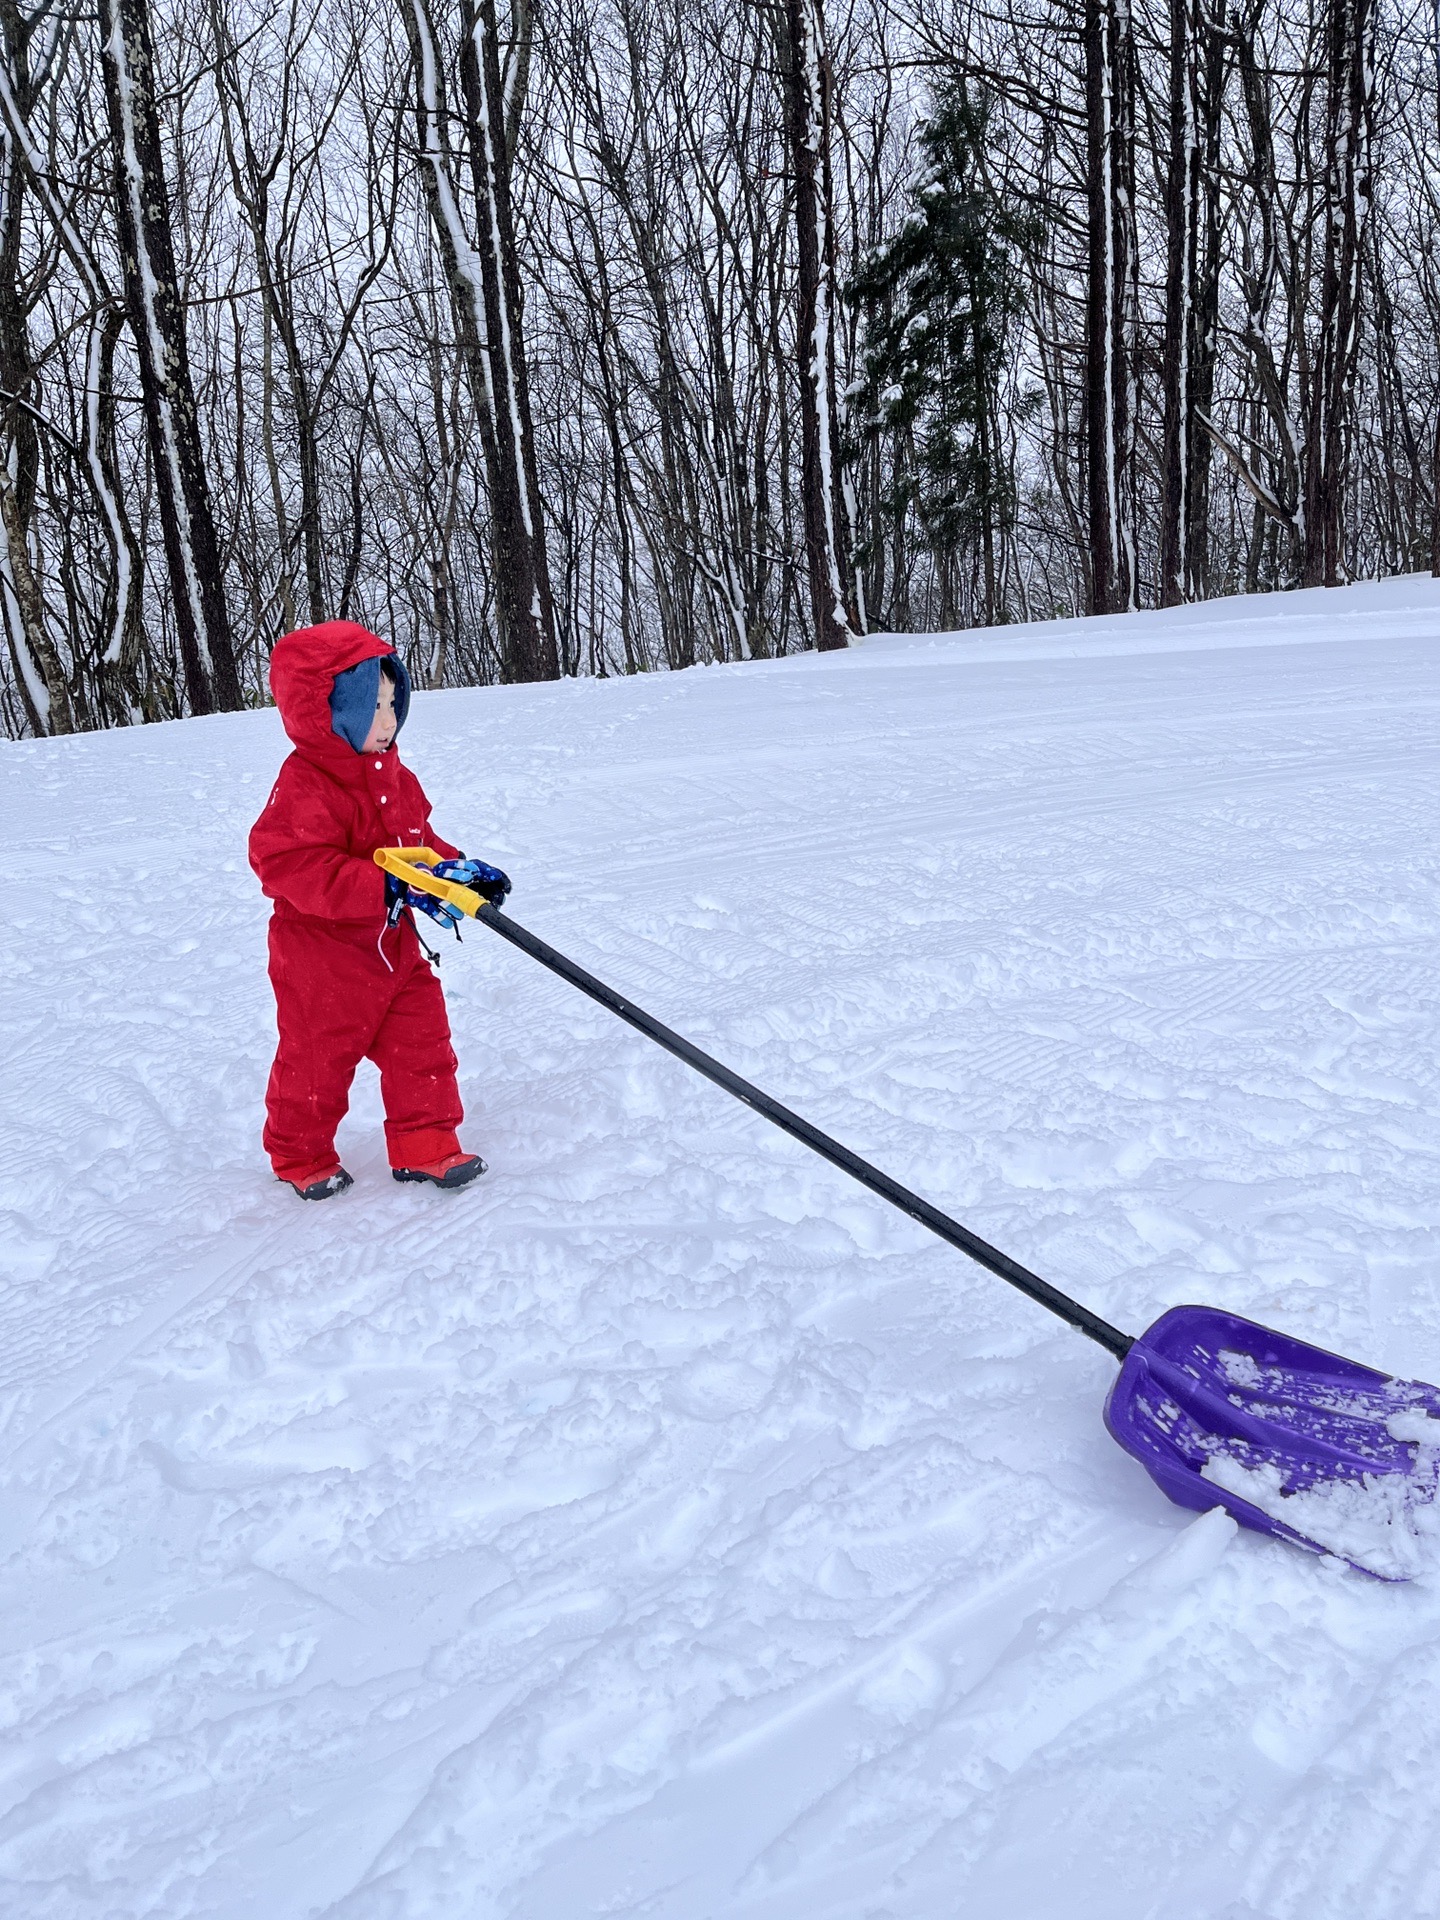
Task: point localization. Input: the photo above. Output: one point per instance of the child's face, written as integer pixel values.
(382, 727)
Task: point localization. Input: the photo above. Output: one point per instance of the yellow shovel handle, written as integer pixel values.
(412, 865)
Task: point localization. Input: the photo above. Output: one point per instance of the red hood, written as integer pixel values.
(302, 672)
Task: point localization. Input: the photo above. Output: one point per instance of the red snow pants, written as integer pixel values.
(337, 1004)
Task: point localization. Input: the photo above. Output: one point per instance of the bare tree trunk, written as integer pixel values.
(1204, 335)
(21, 584)
(40, 672)
(120, 642)
(491, 348)
(40, 675)
(1111, 302)
(807, 120)
(1350, 66)
(157, 320)
(1192, 289)
(1267, 266)
(461, 264)
(528, 649)
(122, 630)
(1182, 215)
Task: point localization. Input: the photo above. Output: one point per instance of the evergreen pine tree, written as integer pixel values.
(939, 301)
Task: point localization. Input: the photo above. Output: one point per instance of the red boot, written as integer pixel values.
(322, 1189)
(456, 1170)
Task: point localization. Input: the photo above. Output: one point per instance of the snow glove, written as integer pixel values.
(398, 896)
(489, 882)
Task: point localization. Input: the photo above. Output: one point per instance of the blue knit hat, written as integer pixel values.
(354, 696)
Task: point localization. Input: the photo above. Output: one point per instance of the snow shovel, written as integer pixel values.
(1220, 1411)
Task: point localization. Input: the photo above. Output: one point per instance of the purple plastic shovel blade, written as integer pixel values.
(1222, 1412)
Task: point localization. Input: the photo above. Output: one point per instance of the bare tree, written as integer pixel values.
(40, 677)
(1349, 71)
(807, 81)
(483, 277)
(1111, 303)
(280, 149)
(157, 320)
(1191, 296)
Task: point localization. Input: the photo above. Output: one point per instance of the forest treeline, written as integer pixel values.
(598, 336)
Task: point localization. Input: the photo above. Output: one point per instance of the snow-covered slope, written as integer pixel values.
(663, 1527)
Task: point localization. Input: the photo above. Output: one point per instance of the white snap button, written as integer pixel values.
(384, 798)
(378, 765)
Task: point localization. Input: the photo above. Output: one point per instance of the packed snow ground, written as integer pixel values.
(663, 1527)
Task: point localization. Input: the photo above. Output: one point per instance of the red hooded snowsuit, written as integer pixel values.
(347, 988)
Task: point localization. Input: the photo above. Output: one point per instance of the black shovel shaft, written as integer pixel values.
(940, 1223)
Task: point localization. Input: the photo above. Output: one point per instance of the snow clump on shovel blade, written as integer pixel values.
(1384, 1524)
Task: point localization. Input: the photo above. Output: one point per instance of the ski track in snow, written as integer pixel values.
(665, 1528)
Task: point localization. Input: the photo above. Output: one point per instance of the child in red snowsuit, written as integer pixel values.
(350, 981)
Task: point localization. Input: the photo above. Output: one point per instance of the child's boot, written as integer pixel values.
(332, 1183)
(456, 1170)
